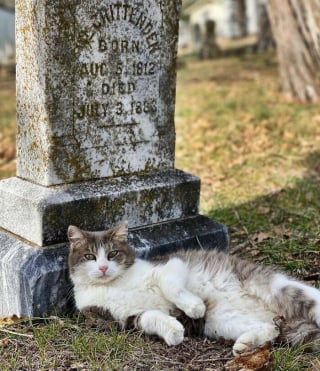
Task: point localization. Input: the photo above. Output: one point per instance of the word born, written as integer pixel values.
(119, 46)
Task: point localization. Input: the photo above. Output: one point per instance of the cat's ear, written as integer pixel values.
(121, 232)
(75, 235)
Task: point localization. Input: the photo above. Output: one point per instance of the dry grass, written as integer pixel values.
(68, 344)
(236, 132)
(258, 158)
(7, 127)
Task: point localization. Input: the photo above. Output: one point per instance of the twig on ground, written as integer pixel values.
(16, 333)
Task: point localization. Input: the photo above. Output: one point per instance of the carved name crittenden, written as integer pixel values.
(125, 12)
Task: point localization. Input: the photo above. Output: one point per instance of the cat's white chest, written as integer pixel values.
(135, 292)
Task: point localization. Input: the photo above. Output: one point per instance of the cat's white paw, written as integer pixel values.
(240, 348)
(243, 344)
(175, 333)
(195, 309)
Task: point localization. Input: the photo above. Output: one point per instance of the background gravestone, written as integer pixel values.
(95, 104)
(209, 48)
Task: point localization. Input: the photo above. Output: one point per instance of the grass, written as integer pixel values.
(294, 359)
(239, 135)
(258, 157)
(66, 344)
(7, 128)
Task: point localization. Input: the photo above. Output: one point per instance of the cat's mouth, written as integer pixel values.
(104, 276)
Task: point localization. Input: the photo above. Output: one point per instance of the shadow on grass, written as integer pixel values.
(280, 228)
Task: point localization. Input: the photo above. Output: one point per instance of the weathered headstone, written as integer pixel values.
(197, 37)
(209, 48)
(95, 103)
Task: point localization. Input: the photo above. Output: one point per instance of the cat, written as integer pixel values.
(232, 298)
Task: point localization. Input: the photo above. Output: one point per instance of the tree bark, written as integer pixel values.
(296, 29)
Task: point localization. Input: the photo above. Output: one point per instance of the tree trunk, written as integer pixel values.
(296, 29)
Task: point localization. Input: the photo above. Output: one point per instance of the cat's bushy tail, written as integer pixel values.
(300, 333)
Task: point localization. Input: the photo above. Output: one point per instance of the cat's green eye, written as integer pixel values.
(112, 254)
(90, 257)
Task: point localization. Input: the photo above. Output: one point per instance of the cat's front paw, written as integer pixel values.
(195, 309)
(175, 333)
(241, 346)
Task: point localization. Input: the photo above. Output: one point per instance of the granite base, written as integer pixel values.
(34, 282)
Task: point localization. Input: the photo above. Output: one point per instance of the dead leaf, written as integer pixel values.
(309, 196)
(262, 210)
(9, 320)
(278, 231)
(254, 252)
(289, 135)
(316, 119)
(246, 118)
(258, 359)
(315, 366)
(260, 236)
(4, 343)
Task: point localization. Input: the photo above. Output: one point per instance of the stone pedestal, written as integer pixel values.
(41, 215)
(95, 142)
(34, 282)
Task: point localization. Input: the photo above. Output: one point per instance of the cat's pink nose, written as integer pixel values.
(103, 268)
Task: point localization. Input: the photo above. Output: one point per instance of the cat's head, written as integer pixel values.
(99, 257)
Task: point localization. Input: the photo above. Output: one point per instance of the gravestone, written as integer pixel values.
(95, 143)
(196, 37)
(209, 48)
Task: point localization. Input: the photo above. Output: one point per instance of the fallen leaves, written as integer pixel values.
(263, 210)
(7, 152)
(7, 147)
(4, 343)
(258, 359)
(9, 320)
(261, 236)
(315, 366)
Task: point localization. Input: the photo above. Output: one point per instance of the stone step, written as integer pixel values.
(41, 215)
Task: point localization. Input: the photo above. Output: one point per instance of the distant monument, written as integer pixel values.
(209, 47)
(95, 142)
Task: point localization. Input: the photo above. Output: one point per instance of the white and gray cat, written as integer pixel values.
(238, 300)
